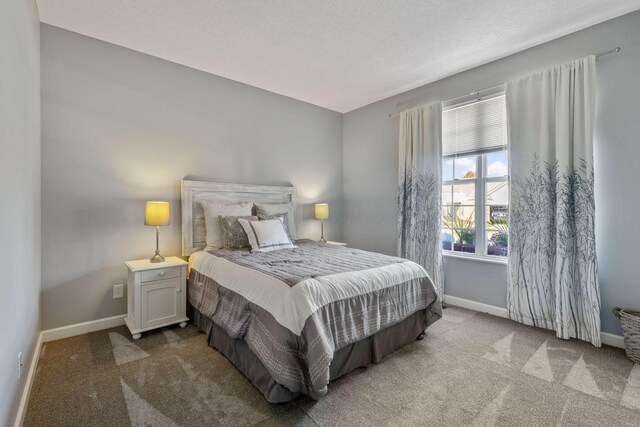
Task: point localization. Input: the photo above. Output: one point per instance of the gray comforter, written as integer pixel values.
(300, 362)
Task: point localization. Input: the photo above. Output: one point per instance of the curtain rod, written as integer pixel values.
(598, 55)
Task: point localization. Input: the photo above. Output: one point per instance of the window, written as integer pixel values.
(475, 177)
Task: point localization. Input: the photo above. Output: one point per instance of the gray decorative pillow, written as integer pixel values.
(233, 235)
(285, 221)
(212, 212)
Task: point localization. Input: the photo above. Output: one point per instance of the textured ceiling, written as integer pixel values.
(339, 54)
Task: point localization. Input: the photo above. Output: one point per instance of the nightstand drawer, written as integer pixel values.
(159, 274)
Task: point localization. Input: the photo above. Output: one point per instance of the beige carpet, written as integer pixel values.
(472, 369)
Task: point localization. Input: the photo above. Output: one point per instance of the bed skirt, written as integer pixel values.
(360, 354)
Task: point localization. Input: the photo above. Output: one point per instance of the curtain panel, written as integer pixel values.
(553, 279)
(419, 190)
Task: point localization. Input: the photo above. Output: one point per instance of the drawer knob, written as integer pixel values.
(178, 290)
(162, 273)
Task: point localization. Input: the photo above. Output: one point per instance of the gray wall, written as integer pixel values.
(20, 196)
(371, 157)
(120, 128)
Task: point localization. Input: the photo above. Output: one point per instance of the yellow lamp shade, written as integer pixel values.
(156, 213)
(322, 211)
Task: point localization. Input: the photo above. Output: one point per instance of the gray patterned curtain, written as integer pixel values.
(553, 279)
(419, 190)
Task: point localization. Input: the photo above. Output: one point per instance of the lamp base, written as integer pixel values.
(156, 258)
(322, 239)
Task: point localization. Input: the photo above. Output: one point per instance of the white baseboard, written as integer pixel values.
(605, 337)
(24, 399)
(82, 328)
(612, 340)
(476, 306)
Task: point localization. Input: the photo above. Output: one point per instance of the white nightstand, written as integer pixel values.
(336, 243)
(156, 294)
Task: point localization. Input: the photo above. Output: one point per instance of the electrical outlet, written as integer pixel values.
(118, 291)
(19, 365)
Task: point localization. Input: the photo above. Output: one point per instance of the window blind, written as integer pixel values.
(480, 126)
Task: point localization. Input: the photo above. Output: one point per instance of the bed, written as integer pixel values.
(292, 320)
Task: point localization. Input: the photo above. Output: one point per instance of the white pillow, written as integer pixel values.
(212, 213)
(266, 236)
(265, 209)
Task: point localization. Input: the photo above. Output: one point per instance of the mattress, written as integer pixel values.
(295, 309)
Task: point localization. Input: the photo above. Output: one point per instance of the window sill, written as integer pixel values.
(478, 258)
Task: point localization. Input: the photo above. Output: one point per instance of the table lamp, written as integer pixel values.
(322, 213)
(157, 213)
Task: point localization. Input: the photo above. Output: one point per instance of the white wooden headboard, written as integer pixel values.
(194, 192)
